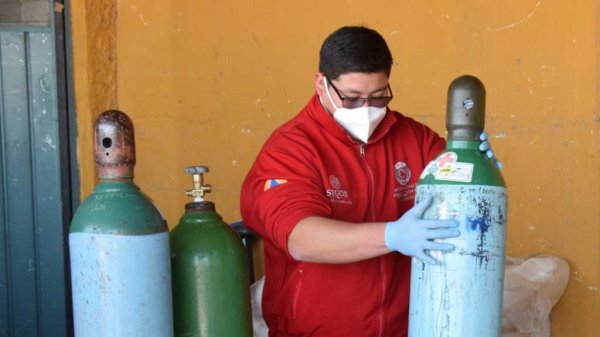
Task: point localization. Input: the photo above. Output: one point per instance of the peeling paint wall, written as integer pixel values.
(206, 82)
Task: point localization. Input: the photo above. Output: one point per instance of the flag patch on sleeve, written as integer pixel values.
(270, 183)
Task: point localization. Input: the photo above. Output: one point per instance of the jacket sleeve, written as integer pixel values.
(282, 188)
(433, 146)
(430, 142)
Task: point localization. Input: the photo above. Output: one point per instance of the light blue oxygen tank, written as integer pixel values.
(462, 295)
(119, 246)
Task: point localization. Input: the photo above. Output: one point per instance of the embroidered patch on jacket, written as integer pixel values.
(337, 194)
(270, 183)
(405, 191)
(402, 173)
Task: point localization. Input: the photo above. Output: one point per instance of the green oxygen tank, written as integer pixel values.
(211, 294)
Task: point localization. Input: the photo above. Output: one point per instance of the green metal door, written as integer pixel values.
(34, 190)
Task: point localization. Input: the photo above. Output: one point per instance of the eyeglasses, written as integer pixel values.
(357, 102)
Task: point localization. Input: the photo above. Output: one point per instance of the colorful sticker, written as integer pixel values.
(429, 169)
(446, 158)
(270, 183)
(447, 167)
(461, 172)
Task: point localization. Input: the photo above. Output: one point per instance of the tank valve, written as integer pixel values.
(199, 187)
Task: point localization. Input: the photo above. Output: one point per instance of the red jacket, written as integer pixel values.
(311, 167)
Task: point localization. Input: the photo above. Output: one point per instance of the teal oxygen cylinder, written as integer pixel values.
(461, 296)
(211, 292)
(119, 246)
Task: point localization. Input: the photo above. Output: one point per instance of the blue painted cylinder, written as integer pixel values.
(461, 296)
(119, 247)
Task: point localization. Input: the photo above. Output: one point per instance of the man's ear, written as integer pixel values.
(320, 84)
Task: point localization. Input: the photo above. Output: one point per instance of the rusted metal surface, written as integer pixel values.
(115, 145)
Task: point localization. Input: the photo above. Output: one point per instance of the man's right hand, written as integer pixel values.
(412, 236)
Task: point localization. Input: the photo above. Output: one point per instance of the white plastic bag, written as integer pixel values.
(258, 323)
(532, 286)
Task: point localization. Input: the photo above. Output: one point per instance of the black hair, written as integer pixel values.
(354, 49)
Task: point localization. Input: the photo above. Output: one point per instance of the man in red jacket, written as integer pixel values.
(332, 194)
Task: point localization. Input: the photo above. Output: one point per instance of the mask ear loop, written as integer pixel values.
(325, 80)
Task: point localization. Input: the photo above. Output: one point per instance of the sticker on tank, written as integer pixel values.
(447, 167)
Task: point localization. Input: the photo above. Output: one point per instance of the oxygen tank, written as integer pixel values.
(462, 294)
(211, 293)
(119, 246)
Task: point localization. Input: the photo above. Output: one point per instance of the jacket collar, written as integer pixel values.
(317, 112)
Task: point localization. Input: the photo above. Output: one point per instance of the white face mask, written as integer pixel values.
(358, 122)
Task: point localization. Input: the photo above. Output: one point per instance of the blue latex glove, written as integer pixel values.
(486, 148)
(411, 235)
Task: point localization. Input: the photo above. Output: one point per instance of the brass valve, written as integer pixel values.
(198, 179)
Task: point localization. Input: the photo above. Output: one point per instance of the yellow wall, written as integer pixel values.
(206, 82)
(94, 39)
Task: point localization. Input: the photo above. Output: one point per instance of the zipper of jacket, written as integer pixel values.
(361, 148)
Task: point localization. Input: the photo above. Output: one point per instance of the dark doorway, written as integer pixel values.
(36, 180)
